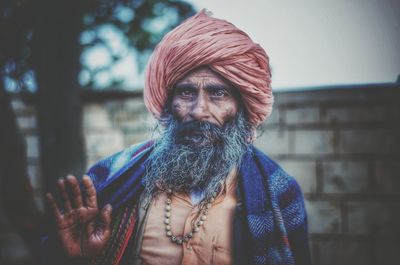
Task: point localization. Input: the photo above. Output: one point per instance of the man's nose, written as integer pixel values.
(200, 109)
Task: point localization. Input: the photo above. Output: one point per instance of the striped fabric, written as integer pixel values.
(122, 229)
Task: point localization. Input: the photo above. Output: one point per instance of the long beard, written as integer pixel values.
(196, 154)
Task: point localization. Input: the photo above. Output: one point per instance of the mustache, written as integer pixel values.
(198, 130)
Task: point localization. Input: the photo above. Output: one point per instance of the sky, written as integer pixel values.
(311, 43)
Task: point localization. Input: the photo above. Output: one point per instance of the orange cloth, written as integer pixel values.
(211, 245)
(204, 40)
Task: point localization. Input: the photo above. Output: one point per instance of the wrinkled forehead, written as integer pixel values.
(204, 72)
(205, 76)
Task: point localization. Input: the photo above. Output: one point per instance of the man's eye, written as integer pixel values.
(186, 93)
(220, 93)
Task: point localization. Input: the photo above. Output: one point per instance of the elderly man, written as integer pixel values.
(199, 193)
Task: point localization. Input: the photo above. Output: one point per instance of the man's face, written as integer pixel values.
(203, 136)
(203, 95)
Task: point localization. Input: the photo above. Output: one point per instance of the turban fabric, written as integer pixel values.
(202, 40)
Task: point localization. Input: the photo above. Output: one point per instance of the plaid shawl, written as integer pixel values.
(273, 204)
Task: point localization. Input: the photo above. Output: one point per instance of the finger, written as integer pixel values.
(53, 206)
(76, 191)
(64, 195)
(106, 221)
(91, 198)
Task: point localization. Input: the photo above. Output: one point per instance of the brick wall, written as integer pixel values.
(340, 144)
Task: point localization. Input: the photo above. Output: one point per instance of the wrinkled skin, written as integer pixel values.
(83, 230)
(203, 95)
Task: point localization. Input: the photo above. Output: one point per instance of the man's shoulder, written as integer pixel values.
(279, 180)
(284, 190)
(107, 167)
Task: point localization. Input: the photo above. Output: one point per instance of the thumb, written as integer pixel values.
(106, 220)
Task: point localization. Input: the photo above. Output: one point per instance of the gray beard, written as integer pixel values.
(196, 154)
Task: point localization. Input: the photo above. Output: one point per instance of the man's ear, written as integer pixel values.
(167, 110)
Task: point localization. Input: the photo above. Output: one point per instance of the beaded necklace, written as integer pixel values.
(196, 226)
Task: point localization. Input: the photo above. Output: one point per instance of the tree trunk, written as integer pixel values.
(56, 53)
(15, 187)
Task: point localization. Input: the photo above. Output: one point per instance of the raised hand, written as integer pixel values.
(82, 229)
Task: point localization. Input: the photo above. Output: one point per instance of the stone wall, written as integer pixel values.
(341, 144)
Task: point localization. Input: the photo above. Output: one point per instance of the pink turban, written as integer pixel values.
(204, 40)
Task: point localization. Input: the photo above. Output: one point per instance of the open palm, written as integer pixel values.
(82, 229)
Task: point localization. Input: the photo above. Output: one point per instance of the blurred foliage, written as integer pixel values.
(16, 29)
(117, 27)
